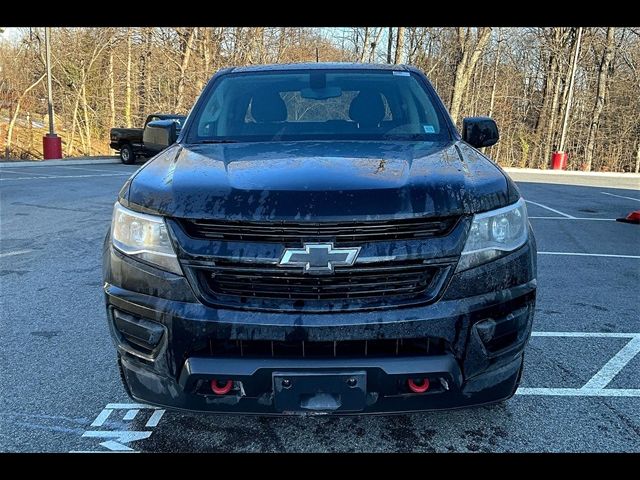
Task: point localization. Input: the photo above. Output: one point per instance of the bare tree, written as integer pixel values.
(16, 111)
(186, 56)
(399, 45)
(127, 105)
(520, 76)
(603, 77)
(469, 49)
(494, 82)
(112, 91)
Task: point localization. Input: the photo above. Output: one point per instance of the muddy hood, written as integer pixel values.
(318, 180)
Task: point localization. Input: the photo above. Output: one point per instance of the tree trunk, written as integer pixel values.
(30, 127)
(399, 46)
(85, 110)
(144, 102)
(112, 94)
(495, 74)
(468, 55)
(186, 56)
(365, 45)
(566, 82)
(638, 159)
(569, 97)
(603, 76)
(127, 102)
(551, 124)
(142, 83)
(551, 77)
(74, 122)
(389, 44)
(12, 122)
(206, 58)
(374, 45)
(477, 87)
(282, 45)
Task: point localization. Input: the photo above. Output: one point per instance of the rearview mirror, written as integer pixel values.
(321, 93)
(480, 131)
(159, 134)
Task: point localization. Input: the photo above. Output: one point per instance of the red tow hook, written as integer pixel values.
(220, 388)
(419, 385)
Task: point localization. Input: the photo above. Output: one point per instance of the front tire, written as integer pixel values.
(127, 155)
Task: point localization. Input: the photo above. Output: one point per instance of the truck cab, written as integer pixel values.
(129, 142)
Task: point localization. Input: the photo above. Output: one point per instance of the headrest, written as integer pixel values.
(367, 108)
(268, 107)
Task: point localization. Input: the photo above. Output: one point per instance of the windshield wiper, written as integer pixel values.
(216, 141)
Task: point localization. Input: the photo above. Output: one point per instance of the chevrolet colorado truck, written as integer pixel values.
(320, 239)
(131, 142)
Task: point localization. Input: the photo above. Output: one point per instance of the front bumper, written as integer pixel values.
(484, 318)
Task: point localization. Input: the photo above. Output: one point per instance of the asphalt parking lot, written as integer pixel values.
(60, 386)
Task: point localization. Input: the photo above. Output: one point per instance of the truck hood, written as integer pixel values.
(318, 180)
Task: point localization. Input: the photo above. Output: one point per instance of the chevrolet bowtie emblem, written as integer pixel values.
(319, 257)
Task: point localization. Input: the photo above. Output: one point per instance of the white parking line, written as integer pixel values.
(574, 254)
(16, 252)
(580, 392)
(131, 414)
(85, 168)
(102, 417)
(68, 176)
(566, 215)
(620, 196)
(4, 170)
(120, 437)
(586, 334)
(595, 387)
(118, 440)
(613, 366)
(575, 218)
(154, 419)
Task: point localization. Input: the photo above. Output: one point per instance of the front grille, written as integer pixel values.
(393, 347)
(339, 232)
(384, 279)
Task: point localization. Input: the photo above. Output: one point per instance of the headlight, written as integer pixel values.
(144, 237)
(494, 233)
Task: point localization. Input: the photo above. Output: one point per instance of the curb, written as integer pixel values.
(577, 173)
(58, 163)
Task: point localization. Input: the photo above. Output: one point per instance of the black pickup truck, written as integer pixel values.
(321, 239)
(130, 141)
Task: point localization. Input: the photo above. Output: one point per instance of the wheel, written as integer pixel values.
(126, 154)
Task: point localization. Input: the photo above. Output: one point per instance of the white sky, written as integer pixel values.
(10, 33)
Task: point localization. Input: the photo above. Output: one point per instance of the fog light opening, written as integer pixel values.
(418, 385)
(220, 387)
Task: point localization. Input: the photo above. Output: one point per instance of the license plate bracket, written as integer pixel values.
(322, 392)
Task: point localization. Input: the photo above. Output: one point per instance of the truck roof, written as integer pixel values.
(320, 66)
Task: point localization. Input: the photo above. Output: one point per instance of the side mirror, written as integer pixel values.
(480, 131)
(159, 134)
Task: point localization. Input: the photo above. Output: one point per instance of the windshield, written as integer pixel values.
(317, 105)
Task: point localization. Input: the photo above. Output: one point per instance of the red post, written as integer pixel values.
(51, 143)
(52, 146)
(559, 160)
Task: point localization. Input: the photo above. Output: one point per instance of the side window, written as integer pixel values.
(212, 112)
